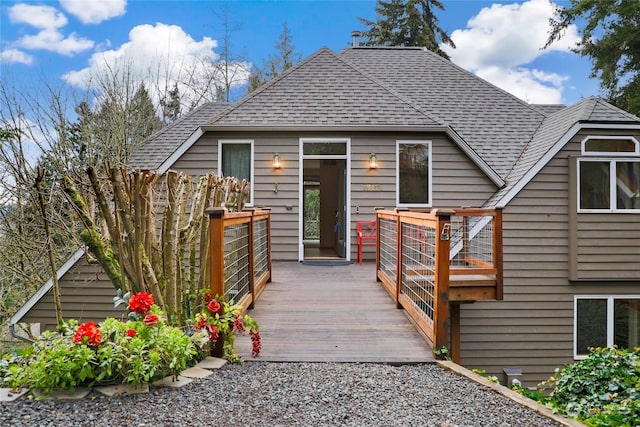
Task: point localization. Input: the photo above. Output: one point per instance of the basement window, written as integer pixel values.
(605, 321)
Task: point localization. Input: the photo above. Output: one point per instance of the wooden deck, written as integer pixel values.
(332, 314)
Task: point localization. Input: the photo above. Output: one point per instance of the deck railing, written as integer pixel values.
(240, 254)
(417, 252)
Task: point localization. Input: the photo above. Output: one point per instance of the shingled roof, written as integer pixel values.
(324, 90)
(553, 132)
(392, 88)
(162, 144)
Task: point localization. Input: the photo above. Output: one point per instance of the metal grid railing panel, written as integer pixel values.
(418, 267)
(236, 262)
(388, 238)
(260, 248)
(471, 239)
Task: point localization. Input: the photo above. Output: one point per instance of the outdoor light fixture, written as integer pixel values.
(276, 161)
(373, 162)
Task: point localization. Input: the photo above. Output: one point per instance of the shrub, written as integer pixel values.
(603, 389)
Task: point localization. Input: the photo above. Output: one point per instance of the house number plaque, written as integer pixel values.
(372, 187)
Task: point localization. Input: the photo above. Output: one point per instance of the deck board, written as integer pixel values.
(332, 314)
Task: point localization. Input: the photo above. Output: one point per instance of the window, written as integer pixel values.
(235, 158)
(604, 321)
(609, 175)
(413, 173)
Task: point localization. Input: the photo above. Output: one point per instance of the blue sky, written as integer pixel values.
(67, 40)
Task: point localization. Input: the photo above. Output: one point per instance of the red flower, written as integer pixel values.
(213, 306)
(151, 319)
(89, 331)
(141, 302)
(131, 333)
(256, 342)
(238, 325)
(213, 332)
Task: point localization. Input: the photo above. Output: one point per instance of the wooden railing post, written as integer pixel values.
(252, 278)
(497, 251)
(441, 310)
(216, 250)
(398, 258)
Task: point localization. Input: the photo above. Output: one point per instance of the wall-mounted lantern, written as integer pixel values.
(373, 161)
(276, 161)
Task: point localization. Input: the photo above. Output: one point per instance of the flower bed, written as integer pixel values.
(142, 349)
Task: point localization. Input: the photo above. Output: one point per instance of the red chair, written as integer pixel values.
(366, 232)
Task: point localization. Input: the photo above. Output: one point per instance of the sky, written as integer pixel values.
(72, 40)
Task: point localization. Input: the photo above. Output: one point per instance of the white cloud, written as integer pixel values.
(533, 86)
(95, 11)
(503, 38)
(54, 41)
(15, 56)
(49, 21)
(41, 17)
(160, 55)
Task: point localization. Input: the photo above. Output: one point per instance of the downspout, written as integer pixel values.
(14, 334)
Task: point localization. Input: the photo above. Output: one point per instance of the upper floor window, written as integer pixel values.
(235, 158)
(413, 173)
(609, 175)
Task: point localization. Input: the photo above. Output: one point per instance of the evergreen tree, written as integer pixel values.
(276, 64)
(407, 23)
(171, 107)
(611, 40)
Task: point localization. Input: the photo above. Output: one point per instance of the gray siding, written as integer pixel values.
(86, 294)
(533, 327)
(456, 180)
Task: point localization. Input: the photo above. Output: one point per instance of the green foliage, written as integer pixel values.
(483, 372)
(276, 64)
(442, 353)
(407, 23)
(129, 352)
(607, 376)
(611, 40)
(601, 390)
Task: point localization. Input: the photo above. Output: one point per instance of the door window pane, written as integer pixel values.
(591, 328)
(413, 174)
(324, 149)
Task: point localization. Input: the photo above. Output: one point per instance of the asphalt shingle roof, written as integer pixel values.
(496, 124)
(324, 90)
(158, 147)
(394, 87)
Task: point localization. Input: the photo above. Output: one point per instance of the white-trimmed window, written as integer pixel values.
(413, 173)
(609, 174)
(604, 321)
(235, 158)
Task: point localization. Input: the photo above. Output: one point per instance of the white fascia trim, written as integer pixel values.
(475, 158)
(552, 153)
(166, 165)
(46, 287)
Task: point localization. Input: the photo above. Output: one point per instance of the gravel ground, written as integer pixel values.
(292, 394)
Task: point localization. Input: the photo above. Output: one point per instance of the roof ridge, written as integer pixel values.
(391, 91)
(269, 84)
(606, 104)
(483, 81)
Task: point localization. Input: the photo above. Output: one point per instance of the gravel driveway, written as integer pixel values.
(292, 394)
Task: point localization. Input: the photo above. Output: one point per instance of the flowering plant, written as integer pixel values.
(220, 319)
(141, 349)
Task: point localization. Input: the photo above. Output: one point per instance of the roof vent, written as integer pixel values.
(356, 38)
